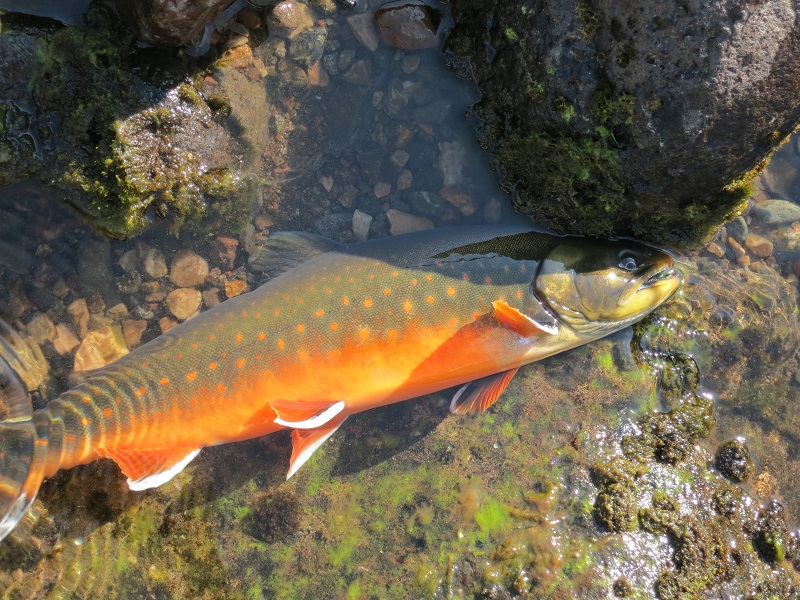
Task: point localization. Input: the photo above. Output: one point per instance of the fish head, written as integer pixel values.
(598, 286)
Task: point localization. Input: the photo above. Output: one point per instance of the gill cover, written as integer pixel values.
(597, 285)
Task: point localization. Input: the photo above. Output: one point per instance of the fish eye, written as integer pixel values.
(628, 262)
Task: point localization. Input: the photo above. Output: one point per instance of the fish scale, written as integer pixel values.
(335, 331)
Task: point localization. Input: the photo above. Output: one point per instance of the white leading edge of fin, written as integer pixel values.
(458, 395)
(317, 420)
(551, 329)
(301, 459)
(157, 479)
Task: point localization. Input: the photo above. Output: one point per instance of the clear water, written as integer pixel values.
(406, 501)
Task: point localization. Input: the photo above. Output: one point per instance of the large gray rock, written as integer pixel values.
(632, 117)
(169, 22)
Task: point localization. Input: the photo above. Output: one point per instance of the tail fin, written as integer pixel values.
(23, 445)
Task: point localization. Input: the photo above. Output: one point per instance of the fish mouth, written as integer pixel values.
(663, 277)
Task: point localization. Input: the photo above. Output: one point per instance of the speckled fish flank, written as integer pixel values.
(345, 330)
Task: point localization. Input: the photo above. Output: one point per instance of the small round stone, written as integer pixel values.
(734, 461)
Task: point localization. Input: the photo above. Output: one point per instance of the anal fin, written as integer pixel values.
(149, 468)
(306, 441)
(483, 393)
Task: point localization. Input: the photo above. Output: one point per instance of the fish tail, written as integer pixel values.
(23, 433)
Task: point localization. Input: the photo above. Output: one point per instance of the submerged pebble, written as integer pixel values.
(734, 461)
(408, 25)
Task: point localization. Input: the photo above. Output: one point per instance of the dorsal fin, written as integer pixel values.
(283, 251)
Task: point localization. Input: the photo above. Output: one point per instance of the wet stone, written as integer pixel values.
(129, 282)
(461, 198)
(427, 204)
(118, 312)
(771, 537)
(95, 303)
(308, 46)
(129, 261)
(776, 212)
(405, 180)
(737, 229)
(211, 297)
(65, 340)
(188, 269)
(361, 224)
(734, 461)
(410, 63)
(399, 158)
(348, 196)
(235, 287)
(100, 348)
(715, 250)
(165, 323)
(183, 302)
(407, 25)
(290, 18)
(153, 261)
(363, 28)
(42, 329)
(758, 245)
(360, 73)
(133, 329)
(331, 224)
(401, 222)
(79, 315)
(382, 189)
(224, 252)
(249, 18)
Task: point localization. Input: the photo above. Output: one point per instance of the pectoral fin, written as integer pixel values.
(519, 323)
(482, 393)
(147, 469)
(305, 442)
(306, 415)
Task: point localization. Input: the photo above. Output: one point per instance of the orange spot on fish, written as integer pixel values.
(258, 357)
(128, 372)
(276, 312)
(429, 300)
(320, 313)
(328, 290)
(211, 338)
(395, 273)
(258, 315)
(212, 366)
(465, 277)
(281, 344)
(363, 333)
(194, 345)
(475, 316)
(163, 355)
(86, 399)
(224, 355)
(145, 364)
(220, 388)
(371, 276)
(407, 306)
(519, 294)
(345, 301)
(239, 336)
(392, 335)
(451, 291)
(262, 336)
(387, 291)
(141, 391)
(179, 356)
(334, 326)
(300, 328)
(164, 381)
(302, 355)
(453, 322)
(414, 282)
(429, 278)
(107, 412)
(350, 280)
(299, 300)
(191, 375)
(368, 302)
(118, 400)
(85, 421)
(240, 363)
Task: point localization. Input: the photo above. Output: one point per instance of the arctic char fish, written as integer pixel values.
(336, 330)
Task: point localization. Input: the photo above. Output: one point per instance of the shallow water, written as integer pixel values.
(408, 501)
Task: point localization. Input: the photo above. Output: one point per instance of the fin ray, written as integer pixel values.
(519, 323)
(484, 393)
(149, 468)
(305, 442)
